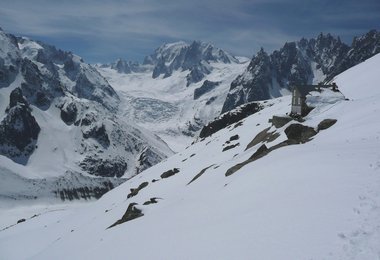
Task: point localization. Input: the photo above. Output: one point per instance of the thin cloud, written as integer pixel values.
(102, 30)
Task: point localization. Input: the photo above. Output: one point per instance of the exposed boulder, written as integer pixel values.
(234, 138)
(151, 201)
(300, 133)
(21, 220)
(280, 121)
(230, 147)
(263, 136)
(135, 191)
(131, 213)
(169, 173)
(327, 123)
(262, 151)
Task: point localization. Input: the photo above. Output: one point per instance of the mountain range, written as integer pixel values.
(304, 189)
(73, 130)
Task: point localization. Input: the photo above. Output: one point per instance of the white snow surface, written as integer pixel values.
(318, 200)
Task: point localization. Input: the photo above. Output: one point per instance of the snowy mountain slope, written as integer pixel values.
(57, 117)
(308, 61)
(167, 104)
(314, 200)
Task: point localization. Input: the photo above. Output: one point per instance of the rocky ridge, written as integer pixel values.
(308, 61)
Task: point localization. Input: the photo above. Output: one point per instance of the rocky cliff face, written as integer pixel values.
(362, 48)
(54, 95)
(18, 130)
(304, 62)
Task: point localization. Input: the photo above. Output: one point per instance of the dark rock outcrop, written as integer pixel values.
(234, 138)
(18, 130)
(69, 113)
(104, 167)
(151, 201)
(299, 133)
(200, 173)
(229, 119)
(280, 121)
(230, 147)
(169, 173)
(16, 97)
(207, 86)
(135, 191)
(131, 213)
(260, 152)
(327, 123)
(263, 136)
(99, 133)
(20, 221)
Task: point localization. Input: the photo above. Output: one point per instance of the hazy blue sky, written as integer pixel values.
(101, 31)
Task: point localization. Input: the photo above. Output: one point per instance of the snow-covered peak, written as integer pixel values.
(183, 56)
(197, 51)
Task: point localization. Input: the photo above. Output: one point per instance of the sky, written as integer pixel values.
(102, 31)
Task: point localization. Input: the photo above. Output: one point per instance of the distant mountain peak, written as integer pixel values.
(183, 56)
